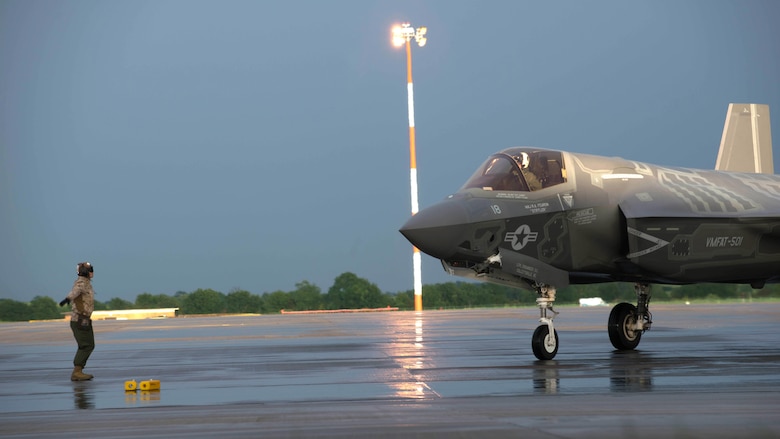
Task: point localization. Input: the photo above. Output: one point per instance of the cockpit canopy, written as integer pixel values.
(519, 169)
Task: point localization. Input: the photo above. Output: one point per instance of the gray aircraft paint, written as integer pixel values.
(607, 219)
(544, 219)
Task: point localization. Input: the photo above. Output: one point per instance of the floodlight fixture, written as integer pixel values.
(405, 33)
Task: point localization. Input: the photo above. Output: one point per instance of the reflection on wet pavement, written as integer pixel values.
(82, 395)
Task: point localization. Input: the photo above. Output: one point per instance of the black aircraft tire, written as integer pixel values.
(539, 345)
(622, 317)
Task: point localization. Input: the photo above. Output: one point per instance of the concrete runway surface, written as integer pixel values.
(709, 371)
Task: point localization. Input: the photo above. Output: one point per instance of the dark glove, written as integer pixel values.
(64, 301)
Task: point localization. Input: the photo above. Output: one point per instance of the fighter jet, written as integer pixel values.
(544, 219)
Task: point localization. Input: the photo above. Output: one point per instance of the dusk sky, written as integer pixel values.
(190, 144)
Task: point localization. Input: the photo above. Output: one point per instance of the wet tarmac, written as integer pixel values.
(709, 371)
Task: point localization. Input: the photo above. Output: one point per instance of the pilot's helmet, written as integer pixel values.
(84, 268)
(524, 160)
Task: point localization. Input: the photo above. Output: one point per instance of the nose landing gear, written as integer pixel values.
(544, 342)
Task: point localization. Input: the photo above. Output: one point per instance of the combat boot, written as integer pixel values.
(78, 375)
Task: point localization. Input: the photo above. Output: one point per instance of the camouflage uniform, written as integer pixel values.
(82, 299)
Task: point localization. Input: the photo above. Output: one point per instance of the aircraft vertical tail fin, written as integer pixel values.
(746, 145)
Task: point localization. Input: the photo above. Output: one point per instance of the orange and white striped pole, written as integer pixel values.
(404, 34)
(416, 258)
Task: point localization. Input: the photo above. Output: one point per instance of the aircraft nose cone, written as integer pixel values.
(439, 229)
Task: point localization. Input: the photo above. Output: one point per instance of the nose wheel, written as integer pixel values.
(544, 344)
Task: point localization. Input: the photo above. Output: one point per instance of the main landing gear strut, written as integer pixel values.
(627, 322)
(545, 339)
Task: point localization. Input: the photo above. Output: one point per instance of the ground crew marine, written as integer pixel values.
(82, 300)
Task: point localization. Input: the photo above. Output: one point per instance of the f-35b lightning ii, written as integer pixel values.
(543, 219)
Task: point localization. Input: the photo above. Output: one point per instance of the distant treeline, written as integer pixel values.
(350, 291)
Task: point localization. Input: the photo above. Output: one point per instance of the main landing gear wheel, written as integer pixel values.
(622, 327)
(544, 346)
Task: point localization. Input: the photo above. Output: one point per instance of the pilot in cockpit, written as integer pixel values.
(531, 170)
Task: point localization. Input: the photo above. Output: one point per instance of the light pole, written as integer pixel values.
(404, 34)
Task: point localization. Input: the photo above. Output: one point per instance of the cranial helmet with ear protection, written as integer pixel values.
(84, 268)
(525, 160)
